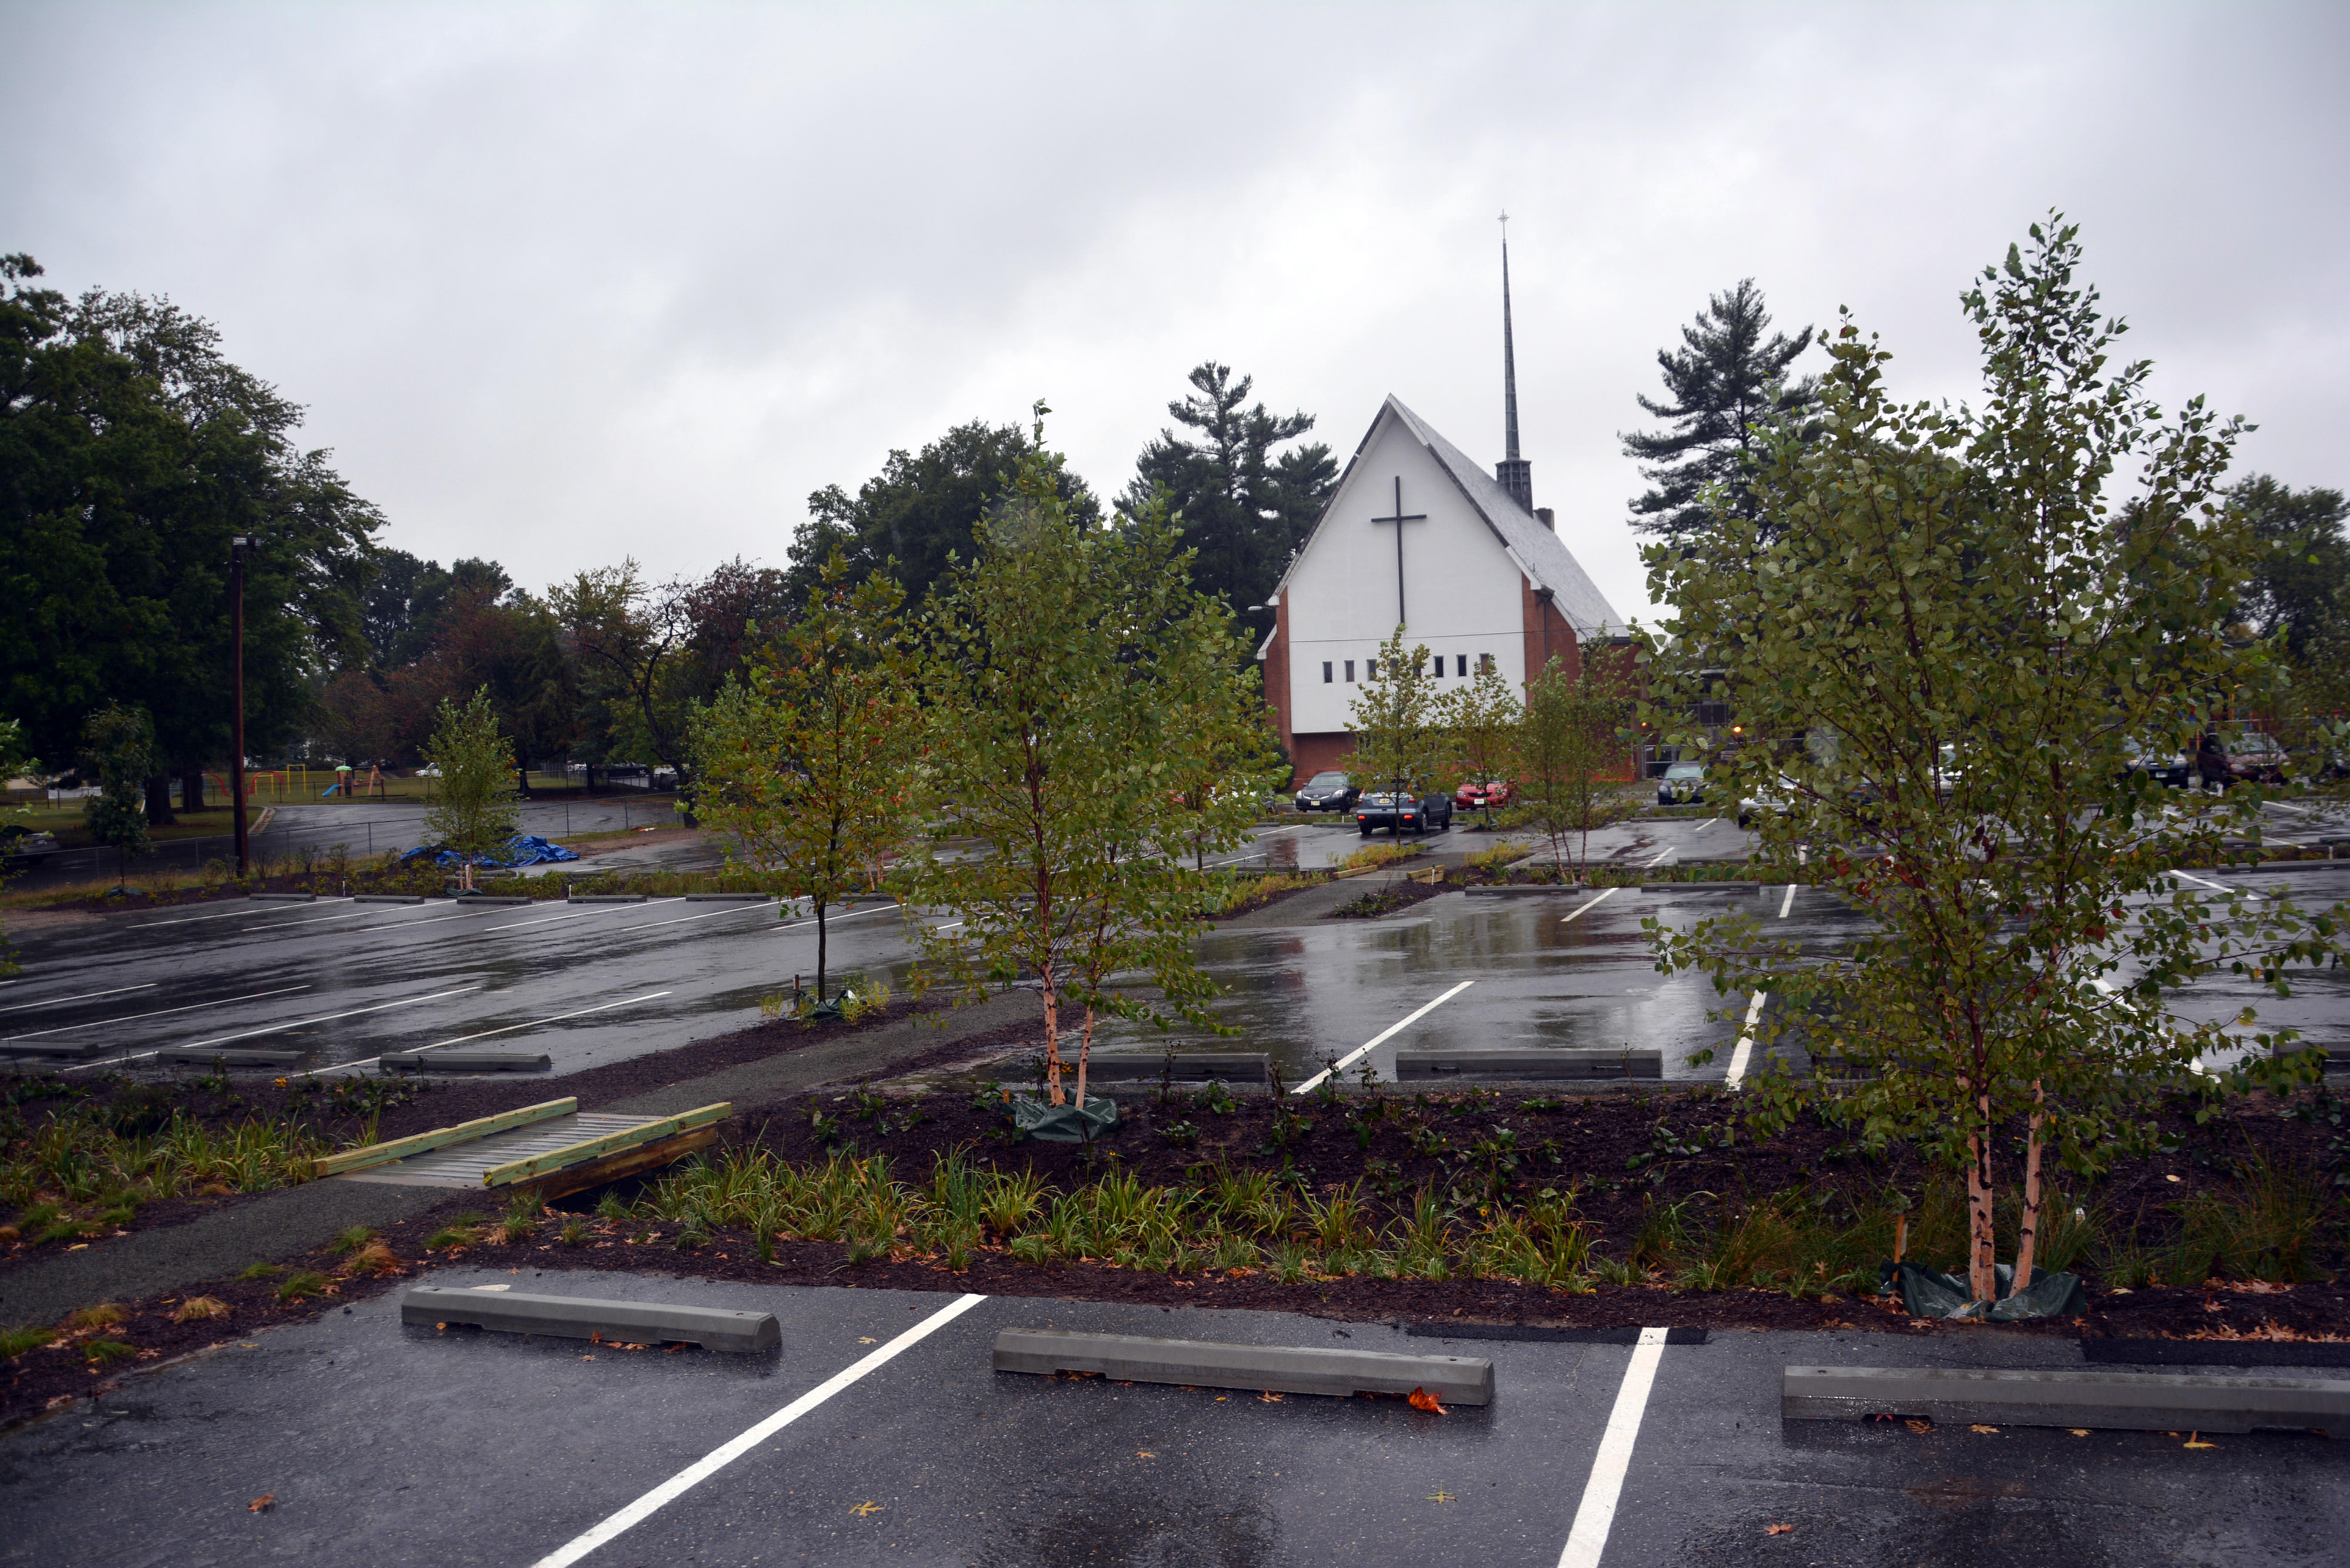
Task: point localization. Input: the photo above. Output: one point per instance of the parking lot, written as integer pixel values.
(390, 1445)
(343, 982)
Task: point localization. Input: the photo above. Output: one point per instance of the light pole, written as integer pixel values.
(236, 714)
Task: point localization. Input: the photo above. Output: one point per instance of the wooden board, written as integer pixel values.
(441, 1138)
(610, 1143)
(574, 1179)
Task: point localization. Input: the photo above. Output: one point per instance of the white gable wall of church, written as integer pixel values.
(1463, 594)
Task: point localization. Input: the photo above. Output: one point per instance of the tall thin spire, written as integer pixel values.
(1514, 473)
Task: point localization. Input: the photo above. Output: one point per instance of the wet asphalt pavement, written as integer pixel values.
(379, 1444)
(344, 982)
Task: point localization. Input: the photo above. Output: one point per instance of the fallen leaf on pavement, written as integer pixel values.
(1144, 1454)
(1421, 1399)
(2078, 1432)
(1268, 1397)
(1918, 1426)
(263, 1503)
(2191, 1443)
(1778, 1529)
(1440, 1496)
(1978, 1427)
(862, 1509)
(867, 1339)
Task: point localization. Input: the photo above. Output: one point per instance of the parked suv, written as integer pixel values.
(1330, 791)
(1400, 809)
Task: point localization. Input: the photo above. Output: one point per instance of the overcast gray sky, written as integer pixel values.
(563, 284)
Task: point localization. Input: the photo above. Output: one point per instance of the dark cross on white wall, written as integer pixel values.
(1400, 519)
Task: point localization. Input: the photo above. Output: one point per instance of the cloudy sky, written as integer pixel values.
(563, 284)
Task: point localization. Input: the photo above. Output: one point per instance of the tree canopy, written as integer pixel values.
(922, 510)
(1243, 510)
(1726, 382)
(132, 452)
(1963, 633)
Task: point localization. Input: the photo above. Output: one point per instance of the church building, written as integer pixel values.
(1417, 535)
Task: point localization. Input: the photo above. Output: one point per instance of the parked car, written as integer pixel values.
(1397, 810)
(2160, 760)
(1683, 783)
(1478, 793)
(1328, 791)
(26, 846)
(2240, 757)
(1772, 798)
(2256, 755)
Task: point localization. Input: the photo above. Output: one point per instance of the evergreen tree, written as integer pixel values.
(1243, 510)
(1726, 380)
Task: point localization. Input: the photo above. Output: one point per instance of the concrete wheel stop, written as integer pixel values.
(2122, 1401)
(1281, 1369)
(587, 1317)
(1519, 1066)
(428, 1060)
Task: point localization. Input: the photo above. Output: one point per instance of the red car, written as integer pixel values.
(1478, 793)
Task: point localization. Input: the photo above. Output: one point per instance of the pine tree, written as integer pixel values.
(1727, 379)
(1245, 510)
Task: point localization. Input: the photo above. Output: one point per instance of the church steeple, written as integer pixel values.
(1515, 474)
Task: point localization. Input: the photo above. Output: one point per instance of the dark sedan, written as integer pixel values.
(1327, 792)
(1683, 785)
(1396, 811)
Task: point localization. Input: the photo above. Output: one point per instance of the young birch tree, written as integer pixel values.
(1060, 705)
(1572, 738)
(1402, 741)
(2036, 586)
(807, 770)
(1486, 718)
(473, 813)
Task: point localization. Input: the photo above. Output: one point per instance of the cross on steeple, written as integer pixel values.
(1400, 519)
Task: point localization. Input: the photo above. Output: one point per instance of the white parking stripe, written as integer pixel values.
(1661, 859)
(681, 919)
(1701, 827)
(702, 1470)
(85, 996)
(581, 915)
(1355, 1054)
(836, 919)
(281, 1028)
(2201, 882)
(191, 919)
(535, 1023)
(1788, 902)
(1588, 1538)
(159, 1012)
(311, 920)
(1605, 894)
(1737, 1073)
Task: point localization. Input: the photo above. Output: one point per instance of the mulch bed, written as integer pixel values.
(55, 1377)
(1389, 898)
(403, 1108)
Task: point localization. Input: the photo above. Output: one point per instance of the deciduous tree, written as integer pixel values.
(1056, 702)
(806, 766)
(473, 810)
(1574, 738)
(1963, 597)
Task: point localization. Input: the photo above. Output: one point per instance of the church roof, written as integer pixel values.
(1538, 550)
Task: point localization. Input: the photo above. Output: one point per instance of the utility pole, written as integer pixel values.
(237, 717)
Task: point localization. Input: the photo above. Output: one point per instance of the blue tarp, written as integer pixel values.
(523, 849)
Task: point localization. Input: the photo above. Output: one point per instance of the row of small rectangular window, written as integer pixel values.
(1371, 668)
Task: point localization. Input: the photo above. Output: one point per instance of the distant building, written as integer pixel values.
(1417, 535)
